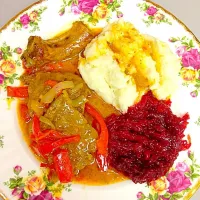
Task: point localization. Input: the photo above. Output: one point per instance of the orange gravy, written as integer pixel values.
(90, 175)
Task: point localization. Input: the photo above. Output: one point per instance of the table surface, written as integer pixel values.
(185, 10)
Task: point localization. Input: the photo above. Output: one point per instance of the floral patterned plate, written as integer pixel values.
(20, 174)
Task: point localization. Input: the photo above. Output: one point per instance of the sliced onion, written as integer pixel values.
(51, 94)
(77, 88)
(36, 107)
(66, 96)
(79, 101)
(47, 122)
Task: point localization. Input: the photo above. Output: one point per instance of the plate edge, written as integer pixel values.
(197, 186)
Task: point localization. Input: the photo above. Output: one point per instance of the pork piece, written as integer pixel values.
(64, 47)
(70, 121)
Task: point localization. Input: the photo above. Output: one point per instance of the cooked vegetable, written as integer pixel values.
(64, 47)
(50, 166)
(37, 107)
(51, 83)
(76, 89)
(64, 66)
(66, 114)
(145, 142)
(47, 121)
(36, 126)
(46, 147)
(63, 166)
(96, 126)
(35, 150)
(51, 94)
(20, 92)
(61, 118)
(102, 142)
(25, 113)
(70, 121)
(59, 132)
(50, 134)
(78, 101)
(37, 87)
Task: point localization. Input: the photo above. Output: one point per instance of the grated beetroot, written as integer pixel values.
(145, 142)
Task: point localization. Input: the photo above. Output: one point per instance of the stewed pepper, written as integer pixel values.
(24, 112)
(36, 126)
(102, 142)
(47, 146)
(50, 142)
(20, 92)
(63, 166)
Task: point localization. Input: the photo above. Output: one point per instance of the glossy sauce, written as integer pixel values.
(90, 175)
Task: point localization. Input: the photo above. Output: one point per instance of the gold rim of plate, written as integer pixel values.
(197, 186)
(2, 196)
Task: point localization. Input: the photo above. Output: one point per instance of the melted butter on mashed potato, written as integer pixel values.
(121, 65)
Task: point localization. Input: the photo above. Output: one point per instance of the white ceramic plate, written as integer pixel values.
(20, 175)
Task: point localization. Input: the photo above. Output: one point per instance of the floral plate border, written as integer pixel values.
(197, 186)
(185, 75)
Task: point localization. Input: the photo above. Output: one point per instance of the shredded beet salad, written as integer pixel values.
(145, 142)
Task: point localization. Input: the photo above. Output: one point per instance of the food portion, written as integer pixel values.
(59, 111)
(61, 107)
(145, 142)
(59, 120)
(111, 121)
(121, 65)
(67, 46)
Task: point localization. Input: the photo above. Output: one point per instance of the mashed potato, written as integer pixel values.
(121, 65)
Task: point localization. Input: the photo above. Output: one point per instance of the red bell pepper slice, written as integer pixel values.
(102, 161)
(46, 165)
(51, 67)
(50, 83)
(35, 150)
(96, 126)
(50, 135)
(36, 126)
(24, 113)
(46, 147)
(20, 92)
(102, 142)
(63, 166)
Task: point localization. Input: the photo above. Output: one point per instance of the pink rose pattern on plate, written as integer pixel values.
(34, 186)
(152, 14)
(29, 20)
(151, 10)
(75, 9)
(87, 6)
(190, 61)
(181, 50)
(178, 181)
(93, 11)
(182, 167)
(8, 65)
(191, 58)
(24, 19)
